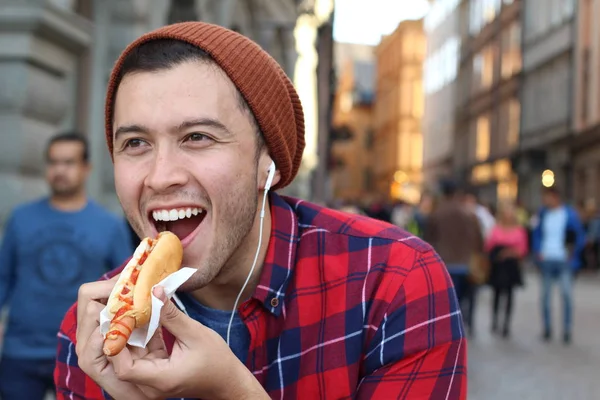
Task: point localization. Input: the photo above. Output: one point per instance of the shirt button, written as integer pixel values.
(274, 302)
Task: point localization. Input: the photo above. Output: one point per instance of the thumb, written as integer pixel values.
(175, 321)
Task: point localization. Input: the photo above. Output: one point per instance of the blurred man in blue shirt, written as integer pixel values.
(51, 246)
(557, 242)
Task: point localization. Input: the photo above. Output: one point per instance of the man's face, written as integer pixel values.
(549, 199)
(185, 161)
(469, 200)
(66, 170)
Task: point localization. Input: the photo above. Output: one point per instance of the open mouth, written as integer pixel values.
(180, 221)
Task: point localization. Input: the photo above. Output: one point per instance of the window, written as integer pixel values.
(441, 66)
(514, 117)
(416, 151)
(482, 144)
(482, 13)
(406, 98)
(438, 12)
(555, 12)
(477, 72)
(404, 150)
(66, 5)
(568, 8)
(490, 10)
(511, 50)
(418, 99)
(487, 71)
(509, 125)
(483, 68)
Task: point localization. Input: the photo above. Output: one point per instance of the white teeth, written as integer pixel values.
(175, 214)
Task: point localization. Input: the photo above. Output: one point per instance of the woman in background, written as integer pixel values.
(506, 246)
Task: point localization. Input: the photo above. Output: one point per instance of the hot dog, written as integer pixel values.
(131, 301)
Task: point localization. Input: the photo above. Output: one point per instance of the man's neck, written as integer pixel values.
(69, 203)
(224, 289)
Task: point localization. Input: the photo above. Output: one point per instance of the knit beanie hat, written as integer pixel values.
(258, 77)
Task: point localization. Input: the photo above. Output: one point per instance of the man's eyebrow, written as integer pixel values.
(203, 122)
(198, 122)
(131, 129)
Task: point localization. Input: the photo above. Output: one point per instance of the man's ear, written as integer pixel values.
(265, 163)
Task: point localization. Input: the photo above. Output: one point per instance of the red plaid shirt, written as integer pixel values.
(346, 307)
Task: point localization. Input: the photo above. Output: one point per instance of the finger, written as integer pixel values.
(141, 371)
(98, 291)
(92, 358)
(160, 294)
(177, 323)
(94, 345)
(150, 392)
(157, 343)
(90, 321)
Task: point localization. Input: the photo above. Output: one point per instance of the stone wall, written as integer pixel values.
(41, 47)
(55, 59)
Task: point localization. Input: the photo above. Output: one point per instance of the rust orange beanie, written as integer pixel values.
(259, 78)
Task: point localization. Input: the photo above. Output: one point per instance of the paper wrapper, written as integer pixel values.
(141, 336)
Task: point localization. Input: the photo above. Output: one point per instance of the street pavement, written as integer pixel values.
(523, 366)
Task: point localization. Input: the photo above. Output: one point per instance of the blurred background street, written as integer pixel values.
(525, 367)
(412, 107)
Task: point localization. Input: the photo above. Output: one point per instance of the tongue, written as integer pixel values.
(183, 227)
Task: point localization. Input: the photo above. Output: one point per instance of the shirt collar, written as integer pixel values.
(281, 256)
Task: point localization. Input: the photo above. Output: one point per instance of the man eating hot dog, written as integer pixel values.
(289, 301)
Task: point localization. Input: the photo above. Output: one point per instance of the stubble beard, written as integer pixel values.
(236, 219)
(235, 223)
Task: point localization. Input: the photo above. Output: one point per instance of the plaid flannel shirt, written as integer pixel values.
(346, 307)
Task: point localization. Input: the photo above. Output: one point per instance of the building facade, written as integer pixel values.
(486, 133)
(547, 108)
(586, 113)
(442, 27)
(56, 56)
(352, 137)
(399, 107)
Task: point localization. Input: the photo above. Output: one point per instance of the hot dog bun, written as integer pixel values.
(130, 301)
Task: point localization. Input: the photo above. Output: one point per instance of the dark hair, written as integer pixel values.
(552, 190)
(162, 54)
(471, 191)
(448, 187)
(75, 137)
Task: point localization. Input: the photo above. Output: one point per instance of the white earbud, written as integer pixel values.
(271, 175)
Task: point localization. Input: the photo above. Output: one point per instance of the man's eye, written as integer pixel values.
(134, 143)
(197, 137)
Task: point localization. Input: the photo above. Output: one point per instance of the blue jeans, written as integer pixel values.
(25, 379)
(561, 271)
(458, 274)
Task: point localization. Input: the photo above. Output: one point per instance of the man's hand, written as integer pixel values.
(92, 360)
(201, 364)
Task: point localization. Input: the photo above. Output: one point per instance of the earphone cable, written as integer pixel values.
(260, 234)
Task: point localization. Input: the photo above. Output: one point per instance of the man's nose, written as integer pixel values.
(167, 171)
